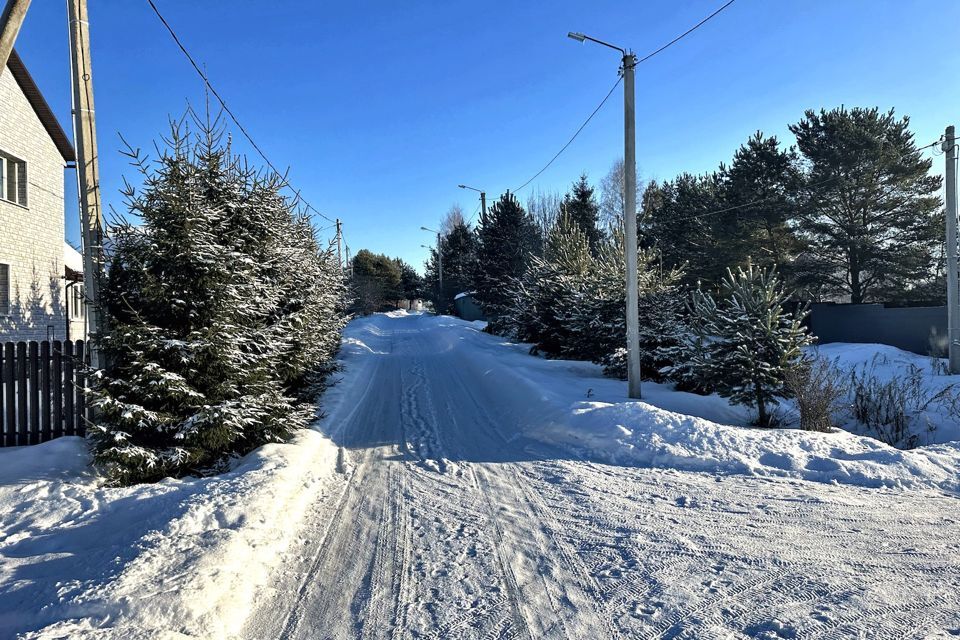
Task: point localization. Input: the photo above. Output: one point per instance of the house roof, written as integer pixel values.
(40, 107)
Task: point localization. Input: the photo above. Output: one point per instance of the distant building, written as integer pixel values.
(466, 307)
(40, 291)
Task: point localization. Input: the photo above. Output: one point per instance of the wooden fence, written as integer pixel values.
(41, 391)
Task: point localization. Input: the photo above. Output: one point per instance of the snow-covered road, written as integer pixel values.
(449, 523)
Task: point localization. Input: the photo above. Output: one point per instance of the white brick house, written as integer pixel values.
(37, 286)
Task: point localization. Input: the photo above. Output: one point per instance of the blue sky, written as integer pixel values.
(381, 108)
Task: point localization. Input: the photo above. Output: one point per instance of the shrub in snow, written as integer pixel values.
(892, 408)
(749, 341)
(224, 315)
(818, 388)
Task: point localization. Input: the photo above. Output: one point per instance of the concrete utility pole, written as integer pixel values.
(953, 295)
(629, 61)
(88, 170)
(483, 202)
(10, 22)
(630, 226)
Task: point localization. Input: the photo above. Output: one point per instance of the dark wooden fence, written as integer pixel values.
(41, 391)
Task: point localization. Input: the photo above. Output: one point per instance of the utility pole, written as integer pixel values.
(88, 171)
(953, 295)
(629, 62)
(339, 250)
(630, 225)
(483, 208)
(439, 266)
(10, 22)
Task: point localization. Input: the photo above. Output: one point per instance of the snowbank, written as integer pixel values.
(180, 558)
(570, 404)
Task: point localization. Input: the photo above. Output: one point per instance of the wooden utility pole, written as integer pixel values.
(88, 171)
(339, 243)
(10, 22)
(953, 295)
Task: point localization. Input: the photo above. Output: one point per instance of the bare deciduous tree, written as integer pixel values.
(545, 208)
(612, 196)
(453, 219)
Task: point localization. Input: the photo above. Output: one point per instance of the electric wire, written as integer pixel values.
(616, 84)
(286, 183)
(685, 33)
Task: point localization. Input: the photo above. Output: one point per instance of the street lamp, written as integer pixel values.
(629, 61)
(439, 265)
(483, 202)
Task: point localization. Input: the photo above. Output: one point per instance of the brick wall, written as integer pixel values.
(31, 237)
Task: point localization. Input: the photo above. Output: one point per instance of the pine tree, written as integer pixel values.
(508, 240)
(376, 284)
(411, 282)
(671, 225)
(748, 341)
(872, 214)
(581, 207)
(763, 182)
(223, 316)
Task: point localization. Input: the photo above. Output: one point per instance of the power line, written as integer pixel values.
(685, 33)
(210, 87)
(570, 141)
(619, 78)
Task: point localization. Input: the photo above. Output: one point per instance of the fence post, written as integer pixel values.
(57, 381)
(21, 359)
(45, 408)
(68, 389)
(10, 434)
(79, 354)
(33, 392)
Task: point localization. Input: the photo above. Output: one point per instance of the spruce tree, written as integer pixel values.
(223, 316)
(459, 251)
(747, 339)
(581, 207)
(508, 240)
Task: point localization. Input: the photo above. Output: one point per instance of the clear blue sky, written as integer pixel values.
(382, 108)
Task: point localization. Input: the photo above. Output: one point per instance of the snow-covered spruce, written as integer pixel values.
(570, 303)
(745, 341)
(223, 315)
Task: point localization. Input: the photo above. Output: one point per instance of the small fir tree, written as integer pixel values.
(581, 207)
(749, 340)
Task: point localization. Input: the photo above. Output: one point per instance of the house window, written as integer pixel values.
(4, 289)
(13, 179)
(76, 308)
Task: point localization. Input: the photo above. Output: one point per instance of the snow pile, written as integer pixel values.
(640, 434)
(177, 558)
(570, 404)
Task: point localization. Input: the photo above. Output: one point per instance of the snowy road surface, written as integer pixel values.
(448, 523)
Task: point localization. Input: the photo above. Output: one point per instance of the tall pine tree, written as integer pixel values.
(872, 215)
